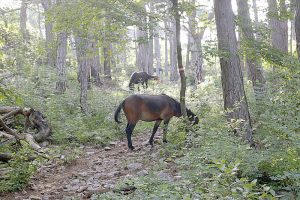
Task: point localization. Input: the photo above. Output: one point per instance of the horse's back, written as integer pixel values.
(149, 107)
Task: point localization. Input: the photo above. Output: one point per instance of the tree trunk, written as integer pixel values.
(166, 49)
(157, 53)
(49, 34)
(23, 20)
(61, 62)
(84, 86)
(297, 27)
(150, 54)
(188, 50)
(255, 72)
(235, 102)
(150, 43)
(82, 45)
(106, 64)
(197, 58)
(179, 58)
(255, 12)
(196, 45)
(173, 53)
(279, 27)
(112, 57)
(142, 50)
(39, 21)
(95, 64)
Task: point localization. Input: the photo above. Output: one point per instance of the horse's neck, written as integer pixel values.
(177, 107)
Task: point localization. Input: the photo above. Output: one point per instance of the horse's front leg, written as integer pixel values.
(129, 130)
(156, 125)
(143, 84)
(165, 130)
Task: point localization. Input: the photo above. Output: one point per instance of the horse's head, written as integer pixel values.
(155, 78)
(192, 117)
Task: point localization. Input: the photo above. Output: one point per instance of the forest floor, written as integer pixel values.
(96, 171)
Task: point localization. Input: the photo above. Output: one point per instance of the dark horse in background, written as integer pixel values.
(140, 77)
(151, 108)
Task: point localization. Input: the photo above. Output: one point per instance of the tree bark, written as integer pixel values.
(297, 27)
(49, 34)
(179, 58)
(61, 62)
(279, 27)
(255, 71)
(107, 60)
(196, 45)
(39, 21)
(166, 48)
(188, 50)
(235, 102)
(95, 64)
(173, 52)
(157, 53)
(142, 50)
(150, 43)
(82, 46)
(255, 11)
(23, 20)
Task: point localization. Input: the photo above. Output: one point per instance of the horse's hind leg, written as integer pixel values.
(156, 125)
(166, 123)
(129, 130)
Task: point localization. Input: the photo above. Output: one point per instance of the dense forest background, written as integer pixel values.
(66, 64)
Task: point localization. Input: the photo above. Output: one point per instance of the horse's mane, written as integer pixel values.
(176, 104)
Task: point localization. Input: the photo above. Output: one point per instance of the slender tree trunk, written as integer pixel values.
(107, 61)
(23, 20)
(197, 58)
(179, 58)
(83, 61)
(150, 42)
(157, 52)
(279, 28)
(150, 54)
(49, 34)
(255, 72)
(297, 27)
(173, 52)
(255, 11)
(95, 64)
(166, 49)
(39, 21)
(235, 102)
(192, 45)
(61, 62)
(188, 50)
(84, 86)
(292, 33)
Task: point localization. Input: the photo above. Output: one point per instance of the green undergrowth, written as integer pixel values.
(213, 163)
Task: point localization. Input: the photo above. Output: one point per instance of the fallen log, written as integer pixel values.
(33, 119)
(5, 157)
(38, 121)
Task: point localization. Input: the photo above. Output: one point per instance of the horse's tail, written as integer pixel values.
(117, 112)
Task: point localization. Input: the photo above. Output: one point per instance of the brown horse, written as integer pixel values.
(151, 108)
(140, 77)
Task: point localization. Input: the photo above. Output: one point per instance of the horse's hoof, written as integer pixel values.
(145, 144)
(131, 148)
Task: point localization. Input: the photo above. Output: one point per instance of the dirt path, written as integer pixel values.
(96, 171)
